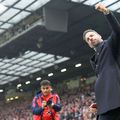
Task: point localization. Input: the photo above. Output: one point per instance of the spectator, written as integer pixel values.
(45, 105)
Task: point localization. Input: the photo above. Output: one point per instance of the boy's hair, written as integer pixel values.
(45, 82)
(86, 31)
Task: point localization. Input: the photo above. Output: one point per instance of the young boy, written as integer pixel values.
(45, 105)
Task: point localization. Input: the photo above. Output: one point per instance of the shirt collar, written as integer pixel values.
(47, 97)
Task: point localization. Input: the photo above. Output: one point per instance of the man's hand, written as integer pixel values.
(44, 104)
(93, 108)
(102, 8)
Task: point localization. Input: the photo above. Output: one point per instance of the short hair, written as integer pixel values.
(86, 31)
(45, 82)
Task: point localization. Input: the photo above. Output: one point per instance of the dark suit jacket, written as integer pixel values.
(106, 63)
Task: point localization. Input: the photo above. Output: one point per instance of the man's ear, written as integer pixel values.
(100, 36)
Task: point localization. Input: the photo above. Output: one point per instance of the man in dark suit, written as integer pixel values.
(106, 63)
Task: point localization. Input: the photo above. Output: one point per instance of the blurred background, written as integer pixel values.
(42, 39)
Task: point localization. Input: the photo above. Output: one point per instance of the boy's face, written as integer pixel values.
(46, 89)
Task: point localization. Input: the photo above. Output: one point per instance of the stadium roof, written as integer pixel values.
(29, 49)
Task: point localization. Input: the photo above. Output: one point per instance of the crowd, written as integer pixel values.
(16, 110)
(75, 107)
(75, 104)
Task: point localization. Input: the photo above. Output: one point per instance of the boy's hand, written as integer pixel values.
(44, 104)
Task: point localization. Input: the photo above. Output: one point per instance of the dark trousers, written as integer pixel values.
(111, 115)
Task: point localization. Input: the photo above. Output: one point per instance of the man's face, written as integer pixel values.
(93, 39)
(46, 89)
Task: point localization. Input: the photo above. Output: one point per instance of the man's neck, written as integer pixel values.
(95, 47)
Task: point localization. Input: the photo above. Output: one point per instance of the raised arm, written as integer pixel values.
(115, 25)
